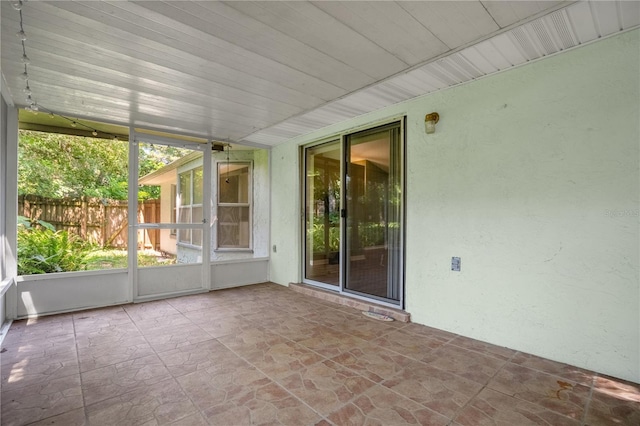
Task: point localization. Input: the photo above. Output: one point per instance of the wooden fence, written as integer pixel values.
(100, 221)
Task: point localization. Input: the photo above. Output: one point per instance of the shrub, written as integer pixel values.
(42, 249)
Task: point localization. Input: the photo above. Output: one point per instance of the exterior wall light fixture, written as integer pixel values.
(430, 121)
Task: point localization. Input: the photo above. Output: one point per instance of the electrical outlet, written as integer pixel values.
(455, 263)
(275, 250)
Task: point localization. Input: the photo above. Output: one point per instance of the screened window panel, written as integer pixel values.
(197, 186)
(185, 189)
(233, 183)
(233, 227)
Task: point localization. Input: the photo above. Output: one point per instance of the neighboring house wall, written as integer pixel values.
(532, 179)
(260, 209)
(167, 241)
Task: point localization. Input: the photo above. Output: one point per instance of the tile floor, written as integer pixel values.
(264, 354)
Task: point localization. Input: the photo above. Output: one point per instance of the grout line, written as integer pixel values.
(75, 343)
(461, 409)
(174, 378)
(587, 406)
(323, 358)
(275, 381)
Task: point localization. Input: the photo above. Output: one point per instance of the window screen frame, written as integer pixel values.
(220, 176)
(190, 206)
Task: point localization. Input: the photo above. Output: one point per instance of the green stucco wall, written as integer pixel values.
(532, 178)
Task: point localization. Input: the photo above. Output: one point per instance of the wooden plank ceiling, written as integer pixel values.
(261, 72)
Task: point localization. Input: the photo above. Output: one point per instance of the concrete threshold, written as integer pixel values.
(340, 299)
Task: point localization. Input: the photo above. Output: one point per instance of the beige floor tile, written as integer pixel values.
(251, 340)
(280, 359)
(559, 369)
(34, 370)
(265, 312)
(436, 389)
(166, 339)
(195, 302)
(296, 305)
(470, 365)
(196, 419)
(484, 348)
(199, 356)
(294, 328)
(373, 362)
(497, 409)
(149, 310)
(246, 307)
(223, 325)
(365, 328)
(75, 417)
(152, 325)
(614, 402)
(210, 315)
(408, 344)
(113, 336)
(329, 342)
(380, 406)
(118, 379)
(48, 347)
(264, 354)
(222, 382)
(330, 317)
(96, 319)
(551, 392)
(266, 405)
(39, 401)
(326, 386)
(108, 354)
(37, 329)
(429, 332)
(161, 403)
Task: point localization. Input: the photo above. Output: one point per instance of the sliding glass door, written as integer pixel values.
(322, 214)
(373, 194)
(354, 214)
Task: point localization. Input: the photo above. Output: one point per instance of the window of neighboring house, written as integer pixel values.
(173, 232)
(190, 205)
(234, 205)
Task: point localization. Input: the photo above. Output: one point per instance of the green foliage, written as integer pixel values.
(371, 234)
(28, 224)
(152, 158)
(318, 236)
(57, 166)
(43, 250)
(114, 258)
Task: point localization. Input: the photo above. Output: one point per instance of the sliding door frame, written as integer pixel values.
(342, 138)
(303, 213)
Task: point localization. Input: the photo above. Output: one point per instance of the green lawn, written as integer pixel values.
(113, 258)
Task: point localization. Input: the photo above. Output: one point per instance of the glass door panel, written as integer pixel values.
(373, 264)
(322, 213)
(353, 214)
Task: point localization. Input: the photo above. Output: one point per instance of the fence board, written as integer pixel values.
(100, 221)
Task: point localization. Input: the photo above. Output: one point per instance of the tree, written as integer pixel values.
(56, 166)
(152, 158)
